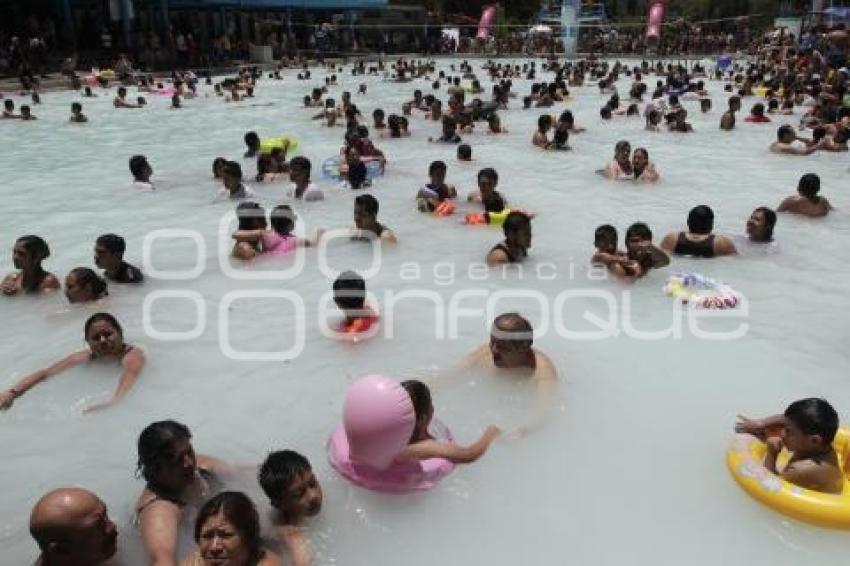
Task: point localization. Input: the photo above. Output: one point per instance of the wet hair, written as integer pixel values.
(784, 131)
(368, 203)
(769, 220)
(639, 230)
(757, 109)
(420, 398)
(814, 416)
(137, 163)
(632, 110)
(809, 186)
(113, 243)
(436, 166)
(605, 232)
(515, 221)
(643, 151)
(279, 470)
(76, 107)
(622, 145)
(36, 246)
(544, 122)
(378, 114)
(705, 104)
(232, 169)
(494, 203)
(218, 162)
(488, 172)
(282, 219)
(301, 162)
(773, 104)
(350, 290)
(701, 220)
(86, 277)
(464, 151)
(240, 512)
(252, 140)
(251, 216)
(156, 447)
(605, 112)
(103, 316)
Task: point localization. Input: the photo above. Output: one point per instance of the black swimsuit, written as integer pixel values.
(684, 246)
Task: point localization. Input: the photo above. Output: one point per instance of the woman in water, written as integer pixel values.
(83, 285)
(105, 340)
(279, 240)
(423, 445)
(620, 168)
(644, 171)
(227, 532)
(176, 480)
(27, 256)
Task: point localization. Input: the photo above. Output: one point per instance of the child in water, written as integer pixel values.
(808, 429)
(437, 190)
(279, 240)
(294, 492)
(620, 264)
(423, 445)
(349, 291)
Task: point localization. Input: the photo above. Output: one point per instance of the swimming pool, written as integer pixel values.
(630, 467)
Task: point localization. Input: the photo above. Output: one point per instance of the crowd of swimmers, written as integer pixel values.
(71, 525)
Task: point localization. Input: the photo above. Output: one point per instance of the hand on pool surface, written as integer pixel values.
(6, 399)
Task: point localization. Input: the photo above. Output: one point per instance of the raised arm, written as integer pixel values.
(446, 450)
(25, 384)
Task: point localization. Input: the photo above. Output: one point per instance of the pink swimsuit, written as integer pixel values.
(275, 244)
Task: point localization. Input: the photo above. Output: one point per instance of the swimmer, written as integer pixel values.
(71, 526)
(464, 152)
(26, 113)
(757, 115)
(698, 241)
(567, 118)
(28, 254)
(423, 445)
(349, 292)
(77, 113)
(644, 171)
(141, 170)
(287, 479)
(676, 122)
(227, 532)
(514, 248)
(449, 134)
(120, 101)
(176, 479)
(494, 124)
(252, 141)
(808, 428)
(82, 285)
(788, 143)
(175, 102)
(250, 217)
(355, 172)
(807, 202)
(366, 225)
(653, 119)
(109, 256)
(544, 124)
(488, 179)
(9, 109)
(760, 225)
(605, 240)
(705, 105)
(638, 237)
(510, 352)
(560, 139)
(620, 168)
(218, 167)
(300, 187)
(378, 119)
(233, 189)
(836, 142)
(88, 93)
(105, 340)
(437, 190)
(278, 241)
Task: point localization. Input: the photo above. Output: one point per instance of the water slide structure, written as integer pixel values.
(656, 9)
(570, 14)
(485, 26)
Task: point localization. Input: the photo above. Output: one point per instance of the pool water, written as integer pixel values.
(629, 468)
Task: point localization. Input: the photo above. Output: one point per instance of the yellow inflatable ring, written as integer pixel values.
(745, 461)
(285, 144)
(760, 91)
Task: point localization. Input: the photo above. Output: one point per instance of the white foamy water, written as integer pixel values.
(629, 469)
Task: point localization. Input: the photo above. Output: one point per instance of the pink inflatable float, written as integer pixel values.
(377, 422)
(486, 24)
(656, 18)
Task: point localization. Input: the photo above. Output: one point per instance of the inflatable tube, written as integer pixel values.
(284, 143)
(361, 328)
(699, 291)
(655, 19)
(760, 91)
(330, 168)
(488, 15)
(377, 422)
(168, 91)
(745, 459)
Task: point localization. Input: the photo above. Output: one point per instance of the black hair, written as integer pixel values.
(137, 163)
(605, 112)
(378, 113)
(544, 121)
(113, 243)
(814, 416)
(701, 220)
(515, 221)
(350, 290)
(86, 277)
(233, 169)
(758, 109)
(240, 512)
(105, 316)
(783, 131)
(464, 151)
(420, 397)
(156, 446)
(251, 216)
(368, 203)
(252, 140)
(809, 186)
(436, 165)
(639, 230)
(76, 107)
(218, 162)
(769, 220)
(282, 219)
(300, 162)
(606, 231)
(279, 470)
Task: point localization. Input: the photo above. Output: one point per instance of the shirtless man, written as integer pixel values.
(785, 138)
(544, 124)
(698, 240)
(366, 225)
(71, 527)
(120, 101)
(807, 202)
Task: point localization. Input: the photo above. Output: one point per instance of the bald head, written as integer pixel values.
(71, 526)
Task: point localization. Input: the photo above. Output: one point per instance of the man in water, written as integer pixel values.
(72, 527)
(109, 256)
(786, 143)
(120, 101)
